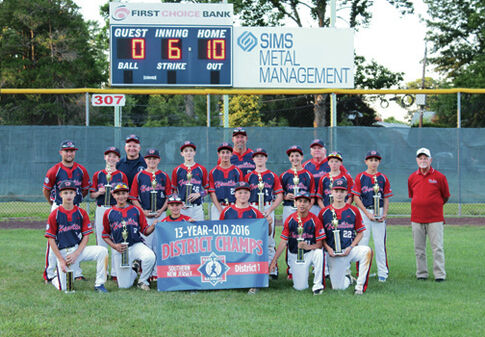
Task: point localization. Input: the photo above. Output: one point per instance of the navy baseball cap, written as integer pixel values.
(223, 146)
(174, 199)
(152, 153)
(67, 185)
(318, 142)
(132, 138)
(120, 187)
(260, 150)
(188, 143)
(112, 149)
(336, 155)
(239, 131)
(242, 185)
(294, 148)
(373, 154)
(339, 184)
(305, 195)
(68, 145)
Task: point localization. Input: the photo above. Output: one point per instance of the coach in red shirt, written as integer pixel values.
(428, 190)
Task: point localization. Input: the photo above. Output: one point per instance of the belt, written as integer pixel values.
(266, 203)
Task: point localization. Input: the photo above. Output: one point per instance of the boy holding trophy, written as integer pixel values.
(324, 192)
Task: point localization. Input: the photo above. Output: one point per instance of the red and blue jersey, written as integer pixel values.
(319, 169)
(134, 218)
(199, 181)
(349, 223)
(244, 161)
(312, 231)
(233, 212)
(363, 188)
(272, 185)
(306, 184)
(142, 187)
(223, 181)
(180, 218)
(324, 189)
(99, 180)
(59, 173)
(68, 227)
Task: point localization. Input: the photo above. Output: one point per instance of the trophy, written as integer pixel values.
(296, 188)
(69, 277)
(153, 195)
(260, 193)
(377, 197)
(330, 196)
(107, 188)
(188, 188)
(336, 235)
(125, 261)
(300, 255)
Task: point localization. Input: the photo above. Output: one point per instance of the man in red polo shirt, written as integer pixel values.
(428, 190)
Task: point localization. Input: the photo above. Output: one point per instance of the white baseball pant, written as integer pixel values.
(339, 266)
(300, 271)
(378, 231)
(126, 276)
(215, 214)
(99, 233)
(150, 240)
(196, 212)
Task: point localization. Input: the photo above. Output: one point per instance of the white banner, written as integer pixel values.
(170, 13)
(280, 57)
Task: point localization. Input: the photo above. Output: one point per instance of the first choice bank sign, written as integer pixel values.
(260, 57)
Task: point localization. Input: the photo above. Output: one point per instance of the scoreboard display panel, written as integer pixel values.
(171, 55)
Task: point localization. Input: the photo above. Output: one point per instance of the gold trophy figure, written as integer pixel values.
(107, 188)
(336, 234)
(153, 195)
(188, 188)
(69, 275)
(300, 255)
(330, 196)
(260, 193)
(296, 187)
(377, 198)
(125, 260)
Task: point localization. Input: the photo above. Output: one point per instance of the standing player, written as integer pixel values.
(104, 200)
(133, 162)
(273, 195)
(222, 181)
(349, 222)
(131, 220)
(67, 231)
(67, 169)
(364, 199)
(313, 235)
(324, 191)
(242, 157)
(199, 182)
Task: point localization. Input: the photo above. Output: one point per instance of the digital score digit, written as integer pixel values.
(171, 55)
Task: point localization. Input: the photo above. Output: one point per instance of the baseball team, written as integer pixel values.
(322, 228)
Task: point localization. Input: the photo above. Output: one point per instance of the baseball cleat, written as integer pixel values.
(253, 291)
(439, 279)
(114, 278)
(382, 279)
(318, 291)
(81, 278)
(358, 292)
(143, 286)
(273, 277)
(289, 277)
(422, 278)
(100, 289)
(136, 266)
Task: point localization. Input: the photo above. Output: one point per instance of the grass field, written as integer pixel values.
(401, 307)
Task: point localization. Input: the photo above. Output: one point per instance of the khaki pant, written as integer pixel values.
(435, 232)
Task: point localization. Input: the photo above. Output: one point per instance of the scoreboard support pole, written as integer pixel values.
(226, 110)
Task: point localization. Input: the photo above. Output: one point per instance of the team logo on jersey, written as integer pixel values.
(46, 180)
(433, 181)
(213, 269)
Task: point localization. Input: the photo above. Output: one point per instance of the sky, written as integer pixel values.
(392, 40)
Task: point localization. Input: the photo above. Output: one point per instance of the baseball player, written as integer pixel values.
(242, 157)
(318, 167)
(222, 181)
(272, 195)
(68, 229)
(199, 182)
(349, 222)
(128, 220)
(324, 191)
(67, 169)
(133, 162)
(104, 200)
(311, 238)
(364, 199)
(175, 205)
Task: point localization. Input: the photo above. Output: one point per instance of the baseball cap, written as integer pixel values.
(67, 185)
(424, 151)
(68, 145)
(121, 187)
(174, 199)
(188, 143)
(260, 150)
(373, 154)
(242, 185)
(305, 195)
(318, 142)
(294, 148)
(113, 149)
(239, 131)
(132, 138)
(223, 146)
(152, 153)
(339, 184)
(336, 155)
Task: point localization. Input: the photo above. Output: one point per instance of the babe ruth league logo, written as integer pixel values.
(213, 269)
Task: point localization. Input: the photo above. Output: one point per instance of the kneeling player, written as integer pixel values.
(341, 221)
(175, 205)
(130, 220)
(68, 230)
(313, 235)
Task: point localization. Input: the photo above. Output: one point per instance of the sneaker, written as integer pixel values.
(253, 291)
(100, 289)
(136, 266)
(81, 278)
(382, 279)
(143, 286)
(318, 291)
(358, 292)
